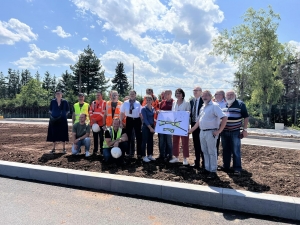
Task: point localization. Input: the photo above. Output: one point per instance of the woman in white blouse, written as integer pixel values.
(180, 105)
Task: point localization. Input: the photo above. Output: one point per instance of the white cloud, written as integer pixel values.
(85, 39)
(61, 33)
(92, 26)
(104, 41)
(37, 57)
(14, 31)
(99, 22)
(295, 44)
(46, 27)
(174, 40)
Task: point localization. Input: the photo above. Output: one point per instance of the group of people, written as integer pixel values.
(212, 118)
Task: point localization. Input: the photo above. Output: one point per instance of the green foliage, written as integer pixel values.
(88, 68)
(13, 86)
(32, 94)
(120, 81)
(2, 86)
(254, 47)
(25, 77)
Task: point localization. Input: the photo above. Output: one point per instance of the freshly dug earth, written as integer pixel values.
(265, 169)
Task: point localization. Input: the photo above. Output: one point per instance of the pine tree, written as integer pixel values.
(13, 87)
(25, 77)
(88, 68)
(53, 86)
(47, 82)
(66, 82)
(120, 80)
(3, 86)
(37, 76)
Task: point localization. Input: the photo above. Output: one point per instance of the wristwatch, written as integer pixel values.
(120, 140)
(245, 129)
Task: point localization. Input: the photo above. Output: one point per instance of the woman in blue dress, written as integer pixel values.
(58, 127)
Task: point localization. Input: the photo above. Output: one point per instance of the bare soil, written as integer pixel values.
(265, 169)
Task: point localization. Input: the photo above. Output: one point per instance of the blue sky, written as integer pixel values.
(168, 41)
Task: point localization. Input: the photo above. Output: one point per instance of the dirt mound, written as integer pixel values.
(265, 169)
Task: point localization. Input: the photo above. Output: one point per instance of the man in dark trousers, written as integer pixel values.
(196, 104)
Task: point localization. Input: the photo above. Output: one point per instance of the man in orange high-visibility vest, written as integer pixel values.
(97, 111)
(112, 108)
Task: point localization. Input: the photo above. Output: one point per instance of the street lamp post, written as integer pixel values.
(79, 85)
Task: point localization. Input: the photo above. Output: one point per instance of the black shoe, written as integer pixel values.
(195, 166)
(204, 171)
(211, 175)
(237, 173)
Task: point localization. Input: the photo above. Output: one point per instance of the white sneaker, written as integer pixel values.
(151, 158)
(185, 161)
(87, 154)
(145, 159)
(174, 160)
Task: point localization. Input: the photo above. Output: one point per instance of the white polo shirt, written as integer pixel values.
(210, 116)
(135, 112)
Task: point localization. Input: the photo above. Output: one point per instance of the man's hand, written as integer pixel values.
(94, 121)
(216, 132)
(76, 141)
(245, 133)
(116, 144)
(190, 131)
(152, 130)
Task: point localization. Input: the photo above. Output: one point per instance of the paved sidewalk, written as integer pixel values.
(272, 132)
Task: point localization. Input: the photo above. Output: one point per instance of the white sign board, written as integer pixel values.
(175, 123)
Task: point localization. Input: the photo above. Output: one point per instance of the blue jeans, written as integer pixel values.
(231, 144)
(86, 142)
(147, 139)
(165, 145)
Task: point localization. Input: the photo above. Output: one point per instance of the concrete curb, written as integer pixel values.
(223, 198)
(284, 139)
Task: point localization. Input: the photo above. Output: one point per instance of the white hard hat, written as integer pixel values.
(116, 152)
(95, 128)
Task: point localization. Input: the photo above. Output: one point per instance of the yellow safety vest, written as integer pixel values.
(83, 110)
(112, 133)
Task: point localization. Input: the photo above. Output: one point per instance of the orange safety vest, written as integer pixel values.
(109, 118)
(97, 111)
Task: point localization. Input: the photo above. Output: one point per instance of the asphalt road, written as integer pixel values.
(24, 202)
(271, 143)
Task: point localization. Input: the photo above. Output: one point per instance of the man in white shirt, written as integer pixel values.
(132, 110)
(209, 123)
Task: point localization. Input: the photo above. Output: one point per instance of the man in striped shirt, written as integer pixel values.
(236, 112)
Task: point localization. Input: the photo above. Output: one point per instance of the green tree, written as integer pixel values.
(3, 86)
(32, 94)
(88, 70)
(66, 82)
(254, 48)
(120, 81)
(25, 77)
(47, 85)
(13, 86)
(37, 76)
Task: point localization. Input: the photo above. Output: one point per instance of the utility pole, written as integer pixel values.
(79, 86)
(133, 78)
